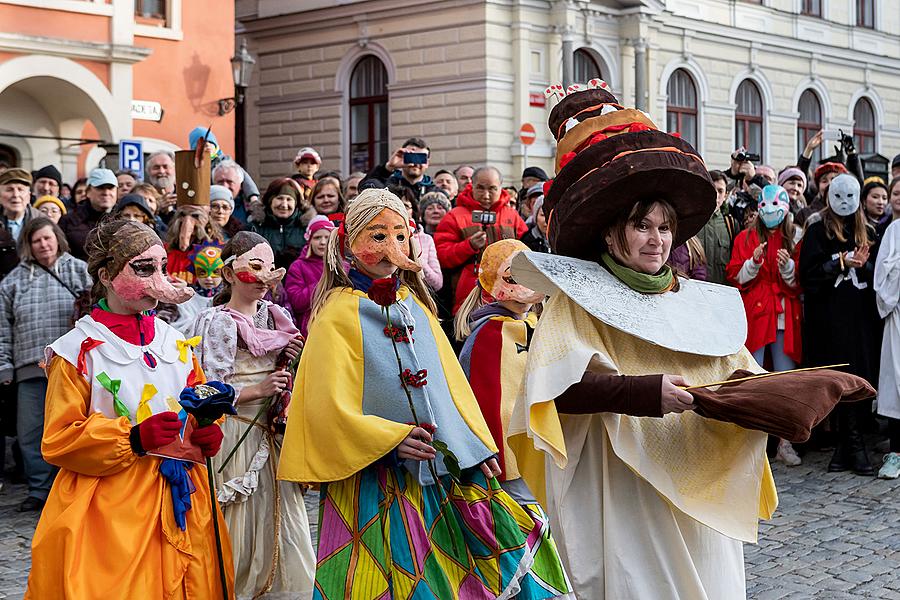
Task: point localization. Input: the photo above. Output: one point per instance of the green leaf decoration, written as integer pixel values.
(112, 386)
(450, 460)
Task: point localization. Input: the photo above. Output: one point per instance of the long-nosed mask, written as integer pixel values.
(145, 275)
(256, 265)
(386, 237)
(495, 274)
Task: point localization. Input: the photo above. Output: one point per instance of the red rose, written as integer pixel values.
(383, 292)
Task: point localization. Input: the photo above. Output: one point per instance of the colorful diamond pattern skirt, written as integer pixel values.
(382, 536)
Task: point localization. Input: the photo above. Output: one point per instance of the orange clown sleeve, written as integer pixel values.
(75, 438)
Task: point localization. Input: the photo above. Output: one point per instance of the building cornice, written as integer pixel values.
(36, 44)
(716, 32)
(378, 10)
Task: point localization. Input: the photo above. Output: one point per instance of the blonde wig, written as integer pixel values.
(367, 205)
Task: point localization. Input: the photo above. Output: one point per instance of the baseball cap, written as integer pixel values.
(101, 177)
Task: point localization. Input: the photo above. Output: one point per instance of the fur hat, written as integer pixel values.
(611, 158)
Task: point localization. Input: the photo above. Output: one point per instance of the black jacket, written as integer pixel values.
(386, 178)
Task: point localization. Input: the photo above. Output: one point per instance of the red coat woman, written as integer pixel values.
(763, 266)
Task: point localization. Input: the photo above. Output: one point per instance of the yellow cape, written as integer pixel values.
(328, 436)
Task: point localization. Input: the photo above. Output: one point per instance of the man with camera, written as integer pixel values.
(481, 217)
(405, 167)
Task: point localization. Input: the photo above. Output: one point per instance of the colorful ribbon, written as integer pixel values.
(175, 472)
(144, 411)
(112, 386)
(173, 405)
(185, 345)
(86, 346)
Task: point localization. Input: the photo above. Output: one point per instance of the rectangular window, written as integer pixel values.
(812, 8)
(865, 13)
(150, 9)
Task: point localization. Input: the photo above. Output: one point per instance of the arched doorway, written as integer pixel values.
(49, 104)
(8, 157)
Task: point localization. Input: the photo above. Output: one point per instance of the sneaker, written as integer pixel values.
(891, 467)
(787, 454)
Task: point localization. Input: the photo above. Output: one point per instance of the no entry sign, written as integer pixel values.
(527, 134)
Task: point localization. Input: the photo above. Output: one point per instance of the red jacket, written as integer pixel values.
(452, 243)
(763, 295)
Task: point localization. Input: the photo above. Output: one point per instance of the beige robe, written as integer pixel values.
(640, 507)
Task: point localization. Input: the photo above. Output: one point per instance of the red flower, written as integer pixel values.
(383, 292)
(417, 379)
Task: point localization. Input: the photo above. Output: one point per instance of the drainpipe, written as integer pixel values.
(640, 74)
(568, 57)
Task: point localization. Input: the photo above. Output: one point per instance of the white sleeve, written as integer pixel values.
(748, 271)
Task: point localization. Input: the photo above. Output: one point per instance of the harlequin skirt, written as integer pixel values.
(382, 536)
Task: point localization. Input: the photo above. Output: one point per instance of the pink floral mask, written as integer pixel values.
(257, 265)
(385, 237)
(145, 275)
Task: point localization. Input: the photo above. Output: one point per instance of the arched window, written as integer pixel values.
(681, 106)
(864, 126)
(368, 115)
(809, 123)
(748, 118)
(586, 68)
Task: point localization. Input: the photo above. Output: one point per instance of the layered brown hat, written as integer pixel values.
(609, 159)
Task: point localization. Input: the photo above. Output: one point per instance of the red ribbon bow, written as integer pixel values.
(86, 346)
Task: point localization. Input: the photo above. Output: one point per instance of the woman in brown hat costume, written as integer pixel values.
(649, 499)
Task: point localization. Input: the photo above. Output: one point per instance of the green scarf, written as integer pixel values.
(640, 282)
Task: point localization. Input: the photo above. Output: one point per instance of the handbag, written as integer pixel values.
(82, 304)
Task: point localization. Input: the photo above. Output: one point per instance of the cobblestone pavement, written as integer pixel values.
(835, 536)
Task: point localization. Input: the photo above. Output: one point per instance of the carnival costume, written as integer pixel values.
(124, 521)
(387, 529)
(493, 359)
(640, 507)
(267, 521)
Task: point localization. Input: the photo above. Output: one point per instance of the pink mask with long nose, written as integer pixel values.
(145, 275)
(257, 265)
(386, 237)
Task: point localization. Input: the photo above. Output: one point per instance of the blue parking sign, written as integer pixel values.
(131, 157)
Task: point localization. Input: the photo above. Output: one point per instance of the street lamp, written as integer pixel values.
(241, 70)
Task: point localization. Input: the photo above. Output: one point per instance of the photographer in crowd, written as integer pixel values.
(481, 217)
(405, 167)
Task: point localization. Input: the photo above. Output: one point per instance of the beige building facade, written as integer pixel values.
(354, 78)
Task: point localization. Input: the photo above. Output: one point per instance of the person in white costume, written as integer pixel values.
(648, 499)
(887, 299)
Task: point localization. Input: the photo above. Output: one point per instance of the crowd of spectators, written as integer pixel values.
(783, 272)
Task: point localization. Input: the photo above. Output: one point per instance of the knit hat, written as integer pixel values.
(135, 200)
(792, 173)
(537, 172)
(610, 158)
(317, 223)
(895, 162)
(537, 188)
(48, 172)
(50, 200)
(307, 153)
(197, 133)
(220, 192)
(829, 167)
(430, 198)
(15, 176)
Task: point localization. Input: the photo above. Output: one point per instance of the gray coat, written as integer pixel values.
(35, 310)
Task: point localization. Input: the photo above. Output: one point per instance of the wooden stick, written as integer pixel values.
(761, 375)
